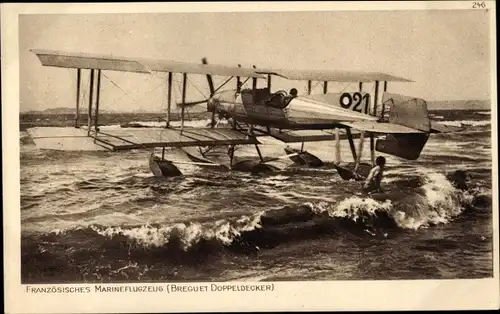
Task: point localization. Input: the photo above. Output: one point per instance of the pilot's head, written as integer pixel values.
(293, 92)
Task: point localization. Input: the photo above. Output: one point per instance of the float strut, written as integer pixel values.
(351, 143)
(337, 146)
(360, 150)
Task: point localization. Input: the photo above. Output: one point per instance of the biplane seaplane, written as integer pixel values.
(399, 126)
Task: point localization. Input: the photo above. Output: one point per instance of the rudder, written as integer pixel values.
(410, 112)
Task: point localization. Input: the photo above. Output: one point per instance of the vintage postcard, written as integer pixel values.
(174, 157)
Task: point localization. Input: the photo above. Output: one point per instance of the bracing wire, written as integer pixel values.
(127, 94)
(224, 83)
(346, 87)
(245, 81)
(196, 87)
(317, 84)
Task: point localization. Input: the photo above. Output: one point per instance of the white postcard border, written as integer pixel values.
(293, 296)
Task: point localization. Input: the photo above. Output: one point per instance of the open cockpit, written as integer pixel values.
(279, 99)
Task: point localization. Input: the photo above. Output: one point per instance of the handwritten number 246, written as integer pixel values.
(479, 5)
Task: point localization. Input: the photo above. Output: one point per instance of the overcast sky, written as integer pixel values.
(446, 53)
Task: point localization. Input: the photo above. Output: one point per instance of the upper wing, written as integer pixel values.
(138, 65)
(88, 61)
(143, 65)
(195, 68)
(332, 76)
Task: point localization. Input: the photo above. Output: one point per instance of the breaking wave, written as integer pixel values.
(186, 235)
(436, 201)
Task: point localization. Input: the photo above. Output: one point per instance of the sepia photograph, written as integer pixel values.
(259, 147)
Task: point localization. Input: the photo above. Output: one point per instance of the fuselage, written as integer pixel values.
(278, 110)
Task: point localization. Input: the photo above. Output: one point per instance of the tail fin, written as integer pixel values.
(410, 112)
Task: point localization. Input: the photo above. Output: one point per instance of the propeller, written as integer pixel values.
(210, 86)
(212, 92)
(209, 78)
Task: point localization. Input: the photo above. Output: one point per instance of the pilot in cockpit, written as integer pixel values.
(291, 95)
(280, 99)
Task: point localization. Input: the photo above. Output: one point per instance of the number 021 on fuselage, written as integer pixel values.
(305, 112)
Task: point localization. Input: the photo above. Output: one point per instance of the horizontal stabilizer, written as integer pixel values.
(376, 127)
(437, 127)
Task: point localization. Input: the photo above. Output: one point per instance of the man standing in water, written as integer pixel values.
(372, 182)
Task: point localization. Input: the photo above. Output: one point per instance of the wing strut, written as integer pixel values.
(254, 85)
(376, 99)
(78, 82)
(184, 82)
(97, 99)
(169, 98)
(383, 103)
(91, 97)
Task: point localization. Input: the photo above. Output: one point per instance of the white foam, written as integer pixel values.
(351, 207)
(484, 112)
(438, 203)
(436, 116)
(460, 123)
